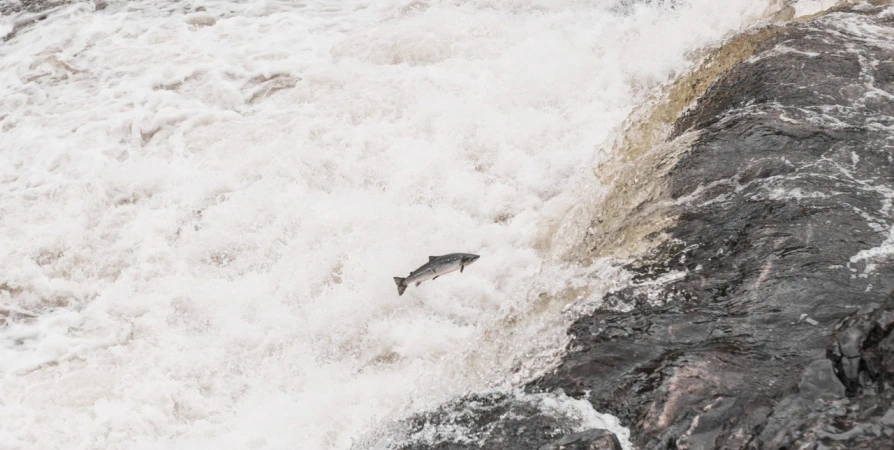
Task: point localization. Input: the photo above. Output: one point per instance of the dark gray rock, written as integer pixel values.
(786, 184)
(862, 350)
(888, 418)
(586, 440)
(859, 425)
(846, 436)
(819, 382)
(493, 421)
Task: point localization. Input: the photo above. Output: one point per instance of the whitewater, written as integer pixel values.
(203, 204)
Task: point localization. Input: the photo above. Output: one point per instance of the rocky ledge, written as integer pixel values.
(768, 321)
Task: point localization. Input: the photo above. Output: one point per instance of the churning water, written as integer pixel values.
(203, 204)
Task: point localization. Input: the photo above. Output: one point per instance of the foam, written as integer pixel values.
(808, 7)
(204, 203)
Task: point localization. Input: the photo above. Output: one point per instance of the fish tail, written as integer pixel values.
(401, 286)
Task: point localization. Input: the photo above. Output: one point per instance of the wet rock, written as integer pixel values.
(819, 382)
(846, 436)
(863, 349)
(496, 421)
(888, 418)
(780, 207)
(586, 440)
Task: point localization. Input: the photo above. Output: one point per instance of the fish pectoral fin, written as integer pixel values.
(435, 278)
(417, 284)
(461, 267)
(432, 258)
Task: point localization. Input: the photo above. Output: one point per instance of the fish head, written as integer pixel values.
(469, 258)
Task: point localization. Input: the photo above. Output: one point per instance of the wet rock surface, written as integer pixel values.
(497, 421)
(839, 422)
(775, 329)
(819, 382)
(586, 440)
(784, 207)
(862, 349)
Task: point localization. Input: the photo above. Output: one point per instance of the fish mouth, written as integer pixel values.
(472, 258)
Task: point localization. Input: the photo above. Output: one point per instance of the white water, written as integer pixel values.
(201, 212)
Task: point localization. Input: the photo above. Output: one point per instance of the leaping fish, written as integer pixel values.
(435, 267)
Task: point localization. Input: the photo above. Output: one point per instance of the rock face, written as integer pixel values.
(586, 440)
(500, 421)
(775, 330)
(784, 228)
(495, 422)
(863, 349)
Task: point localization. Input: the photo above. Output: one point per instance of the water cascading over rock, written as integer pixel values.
(769, 202)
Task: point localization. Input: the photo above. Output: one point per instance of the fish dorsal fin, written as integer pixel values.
(432, 258)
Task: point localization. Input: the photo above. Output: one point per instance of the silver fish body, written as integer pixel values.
(435, 267)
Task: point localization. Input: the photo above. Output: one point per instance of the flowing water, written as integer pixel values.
(203, 204)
